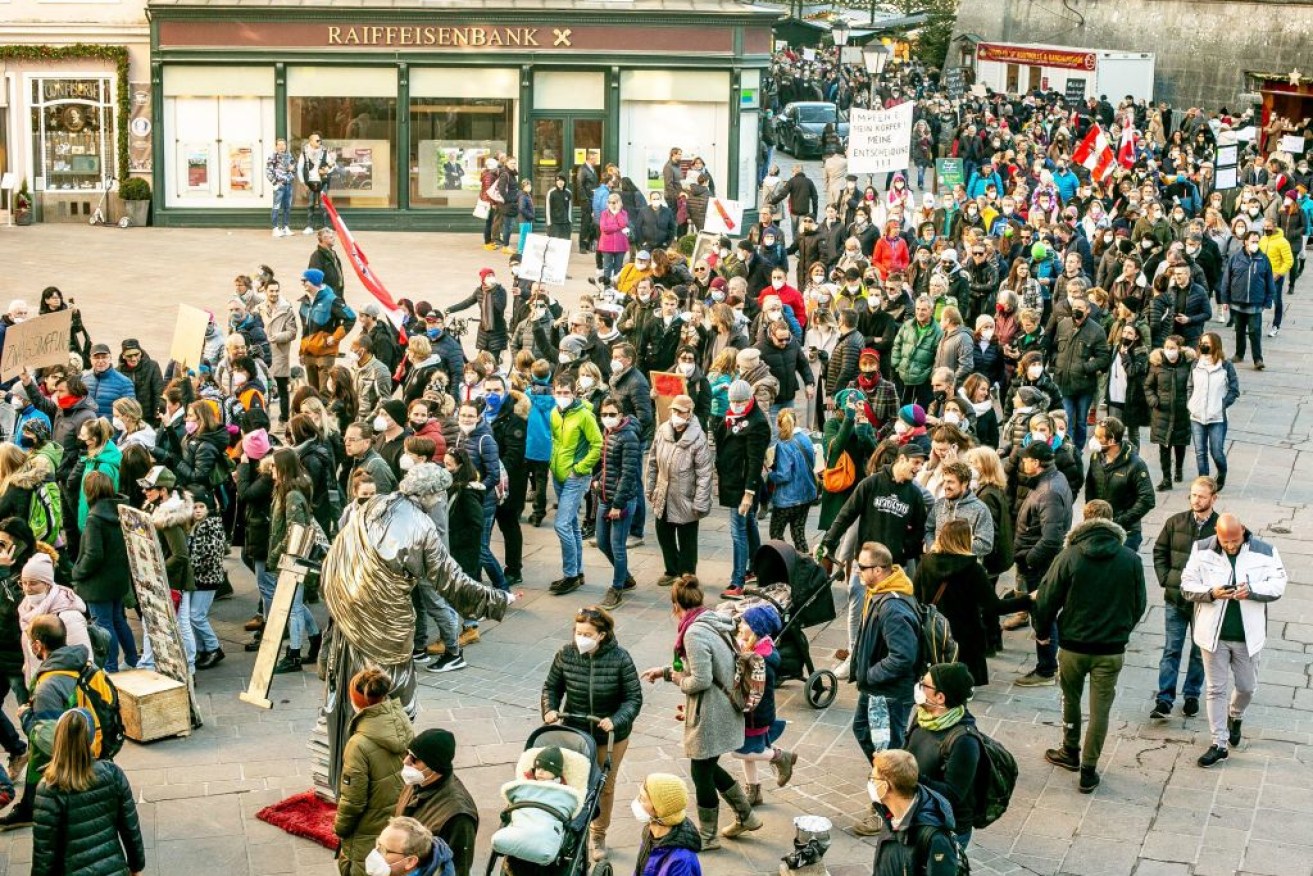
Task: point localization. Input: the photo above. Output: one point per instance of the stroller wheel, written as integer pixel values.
(601, 868)
(822, 688)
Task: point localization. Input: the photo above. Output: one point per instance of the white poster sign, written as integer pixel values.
(724, 217)
(1292, 143)
(546, 259)
(880, 140)
(851, 55)
(809, 54)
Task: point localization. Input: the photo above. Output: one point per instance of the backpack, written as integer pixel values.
(96, 693)
(921, 853)
(840, 476)
(749, 683)
(937, 643)
(45, 513)
(996, 774)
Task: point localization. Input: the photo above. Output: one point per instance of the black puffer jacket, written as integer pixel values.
(1043, 518)
(255, 492)
(618, 470)
(201, 454)
(603, 684)
(1125, 484)
(88, 832)
(1172, 550)
(788, 365)
(842, 367)
(1166, 391)
(317, 460)
(740, 454)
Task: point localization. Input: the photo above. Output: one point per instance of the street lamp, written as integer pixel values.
(874, 56)
(839, 33)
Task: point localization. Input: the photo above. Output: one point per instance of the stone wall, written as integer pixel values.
(1203, 47)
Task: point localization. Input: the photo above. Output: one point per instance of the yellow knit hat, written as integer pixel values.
(669, 797)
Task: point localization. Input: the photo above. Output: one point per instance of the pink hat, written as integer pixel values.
(256, 444)
(39, 568)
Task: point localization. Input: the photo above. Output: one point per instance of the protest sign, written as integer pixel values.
(189, 336)
(948, 173)
(880, 140)
(36, 343)
(954, 82)
(665, 386)
(724, 217)
(545, 259)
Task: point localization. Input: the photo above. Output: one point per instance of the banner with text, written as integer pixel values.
(35, 343)
(880, 140)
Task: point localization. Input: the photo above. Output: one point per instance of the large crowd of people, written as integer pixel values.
(944, 376)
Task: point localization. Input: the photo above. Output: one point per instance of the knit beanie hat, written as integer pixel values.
(954, 681)
(669, 797)
(551, 760)
(395, 408)
(763, 620)
(912, 415)
(436, 748)
(256, 444)
(39, 568)
(740, 391)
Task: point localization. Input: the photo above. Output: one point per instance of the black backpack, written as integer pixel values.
(924, 837)
(937, 644)
(996, 774)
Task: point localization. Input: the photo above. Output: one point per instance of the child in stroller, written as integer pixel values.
(541, 804)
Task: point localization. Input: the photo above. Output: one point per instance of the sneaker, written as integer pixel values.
(1064, 757)
(278, 232)
(1018, 621)
(569, 585)
(1161, 712)
(13, 819)
(666, 580)
(514, 579)
(436, 648)
(841, 671)
(733, 591)
(287, 232)
(447, 663)
(1034, 679)
(1191, 707)
(18, 766)
(634, 541)
(468, 636)
(1089, 780)
(629, 584)
(506, 250)
(308, 230)
(1211, 756)
(1258, 365)
(1276, 330)
(613, 598)
(420, 656)
(1233, 731)
(490, 247)
(870, 825)
(1165, 484)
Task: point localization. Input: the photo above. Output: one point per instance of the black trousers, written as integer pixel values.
(507, 516)
(679, 546)
(709, 777)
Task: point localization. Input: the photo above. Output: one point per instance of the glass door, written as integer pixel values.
(561, 144)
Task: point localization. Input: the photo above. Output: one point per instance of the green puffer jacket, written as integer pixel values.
(87, 832)
(914, 352)
(371, 779)
(576, 441)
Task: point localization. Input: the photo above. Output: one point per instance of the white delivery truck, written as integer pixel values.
(1078, 73)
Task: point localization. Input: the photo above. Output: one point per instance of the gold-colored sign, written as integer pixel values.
(473, 37)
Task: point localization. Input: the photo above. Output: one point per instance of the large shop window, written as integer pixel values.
(661, 109)
(355, 112)
(219, 130)
(73, 133)
(458, 118)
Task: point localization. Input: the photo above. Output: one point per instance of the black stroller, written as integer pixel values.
(809, 603)
(573, 857)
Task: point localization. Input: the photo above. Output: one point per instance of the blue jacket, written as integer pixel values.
(538, 437)
(482, 448)
(451, 357)
(977, 185)
(28, 413)
(107, 388)
(1247, 280)
(888, 643)
(794, 472)
(1067, 182)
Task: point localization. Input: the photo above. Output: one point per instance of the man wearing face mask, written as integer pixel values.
(576, 448)
(491, 298)
(831, 235)
(741, 439)
(391, 426)
(1119, 477)
(435, 796)
(407, 848)
(1080, 352)
(655, 226)
(640, 311)
(1248, 288)
(660, 338)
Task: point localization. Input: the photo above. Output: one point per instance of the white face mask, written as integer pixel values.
(677, 421)
(406, 462)
(239, 380)
(563, 401)
(778, 284)
(1034, 371)
(687, 368)
(467, 428)
(585, 644)
(900, 427)
(872, 790)
(376, 864)
(953, 417)
(987, 335)
(640, 814)
(586, 382)
(380, 424)
(1253, 247)
(1172, 355)
(738, 407)
(918, 694)
(610, 422)
(119, 425)
(617, 366)
(411, 775)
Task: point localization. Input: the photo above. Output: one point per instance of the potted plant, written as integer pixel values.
(23, 205)
(135, 193)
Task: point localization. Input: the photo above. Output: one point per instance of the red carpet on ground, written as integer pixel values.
(304, 815)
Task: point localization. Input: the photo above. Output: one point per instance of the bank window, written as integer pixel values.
(73, 133)
(358, 131)
(450, 139)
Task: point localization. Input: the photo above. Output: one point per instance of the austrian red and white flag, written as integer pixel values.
(368, 278)
(1126, 149)
(1095, 153)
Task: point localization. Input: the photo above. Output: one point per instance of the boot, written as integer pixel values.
(291, 662)
(708, 820)
(1165, 484)
(1180, 474)
(754, 794)
(744, 818)
(597, 841)
(316, 641)
(782, 765)
(21, 814)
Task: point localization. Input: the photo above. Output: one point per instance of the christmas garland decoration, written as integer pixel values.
(118, 55)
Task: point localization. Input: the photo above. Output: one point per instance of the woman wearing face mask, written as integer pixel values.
(129, 425)
(248, 390)
(986, 351)
(617, 484)
(975, 394)
(99, 454)
(670, 842)
(41, 595)
(1214, 386)
(741, 439)
(940, 740)
(291, 505)
(1166, 393)
(371, 771)
(1031, 372)
(819, 343)
(1123, 385)
(202, 470)
(464, 511)
(679, 481)
(593, 675)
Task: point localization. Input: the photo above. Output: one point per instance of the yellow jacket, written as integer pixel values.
(1277, 249)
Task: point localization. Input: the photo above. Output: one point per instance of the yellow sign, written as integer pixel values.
(473, 37)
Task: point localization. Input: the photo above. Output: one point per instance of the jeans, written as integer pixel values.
(611, 538)
(1133, 541)
(1046, 656)
(612, 262)
(199, 618)
(300, 622)
(10, 739)
(1102, 670)
(147, 660)
(111, 617)
(1078, 412)
(679, 546)
(1176, 626)
(1280, 307)
(1209, 439)
(428, 604)
(880, 723)
(746, 538)
(1248, 326)
(486, 559)
(314, 208)
(281, 215)
(526, 228)
(1230, 658)
(488, 225)
(507, 224)
(569, 496)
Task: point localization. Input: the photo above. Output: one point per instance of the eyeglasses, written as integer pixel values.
(865, 568)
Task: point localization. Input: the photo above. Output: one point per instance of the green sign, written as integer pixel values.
(948, 173)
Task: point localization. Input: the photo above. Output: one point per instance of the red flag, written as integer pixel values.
(1126, 150)
(1095, 153)
(396, 315)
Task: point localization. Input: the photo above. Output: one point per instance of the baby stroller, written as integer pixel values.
(579, 747)
(800, 591)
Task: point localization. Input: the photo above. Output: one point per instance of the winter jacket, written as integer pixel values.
(890, 255)
(147, 385)
(49, 699)
(106, 388)
(712, 726)
(1043, 519)
(634, 395)
(538, 435)
(373, 385)
(576, 442)
(793, 472)
(740, 454)
(1258, 565)
(61, 601)
(888, 639)
(172, 517)
(618, 471)
(788, 365)
(482, 448)
(970, 509)
(326, 259)
(659, 344)
(202, 453)
(956, 350)
(896, 848)
(101, 573)
(1213, 387)
(613, 227)
(654, 229)
(66, 423)
(255, 493)
(1277, 249)
(915, 350)
(1134, 363)
(842, 368)
(603, 683)
(968, 603)
(464, 526)
(88, 833)
(1166, 394)
(280, 330)
(679, 474)
(1172, 550)
(1247, 281)
(11, 632)
(451, 357)
(371, 778)
(448, 811)
(1094, 589)
(325, 321)
(1080, 353)
(886, 511)
(948, 760)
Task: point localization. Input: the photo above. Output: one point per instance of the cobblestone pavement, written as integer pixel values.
(1155, 813)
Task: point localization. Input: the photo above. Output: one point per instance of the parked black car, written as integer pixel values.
(799, 126)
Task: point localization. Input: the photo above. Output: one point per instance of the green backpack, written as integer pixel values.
(45, 513)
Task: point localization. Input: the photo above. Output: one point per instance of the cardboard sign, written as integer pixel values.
(36, 343)
(1292, 143)
(189, 336)
(954, 82)
(665, 386)
(948, 173)
(1075, 93)
(545, 259)
(880, 140)
(724, 217)
(158, 618)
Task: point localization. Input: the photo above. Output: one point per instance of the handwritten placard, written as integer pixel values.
(880, 140)
(36, 343)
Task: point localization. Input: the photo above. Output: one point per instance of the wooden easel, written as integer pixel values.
(292, 572)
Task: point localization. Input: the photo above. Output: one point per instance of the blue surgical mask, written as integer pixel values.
(492, 401)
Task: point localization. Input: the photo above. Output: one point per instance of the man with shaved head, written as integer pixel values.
(1230, 578)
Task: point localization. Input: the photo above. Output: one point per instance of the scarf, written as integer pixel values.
(687, 621)
(910, 434)
(935, 723)
(67, 401)
(732, 419)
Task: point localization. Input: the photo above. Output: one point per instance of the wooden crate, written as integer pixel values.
(153, 706)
